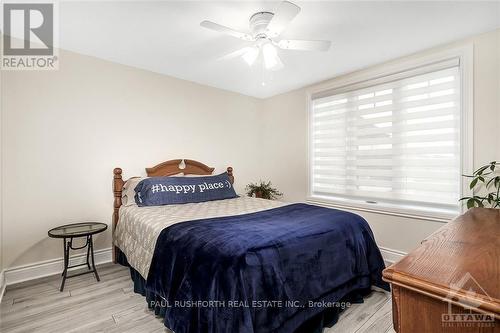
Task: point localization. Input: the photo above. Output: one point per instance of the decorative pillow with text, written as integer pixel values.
(159, 191)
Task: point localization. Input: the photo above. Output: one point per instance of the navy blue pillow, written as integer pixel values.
(158, 191)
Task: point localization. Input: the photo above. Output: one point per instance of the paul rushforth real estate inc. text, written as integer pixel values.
(246, 304)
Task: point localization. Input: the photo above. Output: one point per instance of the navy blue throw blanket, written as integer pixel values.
(269, 271)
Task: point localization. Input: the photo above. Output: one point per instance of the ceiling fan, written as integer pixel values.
(265, 29)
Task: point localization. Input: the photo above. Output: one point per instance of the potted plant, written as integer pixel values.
(487, 179)
(262, 190)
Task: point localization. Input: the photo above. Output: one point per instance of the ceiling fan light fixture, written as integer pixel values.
(271, 59)
(265, 28)
(250, 55)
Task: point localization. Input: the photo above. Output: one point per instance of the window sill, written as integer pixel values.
(431, 214)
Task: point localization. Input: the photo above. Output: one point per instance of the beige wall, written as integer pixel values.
(285, 134)
(64, 132)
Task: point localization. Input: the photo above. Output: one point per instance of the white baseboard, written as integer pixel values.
(55, 266)
(51, 267)
(390, 255)
(2, 284)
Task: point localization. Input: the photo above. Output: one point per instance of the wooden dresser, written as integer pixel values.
(451, 282)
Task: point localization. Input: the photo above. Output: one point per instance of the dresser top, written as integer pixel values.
(460, 261)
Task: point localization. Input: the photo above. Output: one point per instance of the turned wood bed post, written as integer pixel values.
(117, 190)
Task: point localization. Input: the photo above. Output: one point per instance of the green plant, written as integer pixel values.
(486, 178)
(262, 190)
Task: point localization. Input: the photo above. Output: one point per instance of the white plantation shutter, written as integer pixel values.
(394, 139)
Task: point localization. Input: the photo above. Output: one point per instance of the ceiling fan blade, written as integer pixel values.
(235, 54)
(225, 30)
(249, 54)
(304, 45)
(284, 15)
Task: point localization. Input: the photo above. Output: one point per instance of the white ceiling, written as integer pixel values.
(165, 37)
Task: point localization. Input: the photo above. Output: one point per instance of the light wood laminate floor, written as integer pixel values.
(112, 306)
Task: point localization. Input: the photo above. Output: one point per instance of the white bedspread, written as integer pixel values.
(139, 227)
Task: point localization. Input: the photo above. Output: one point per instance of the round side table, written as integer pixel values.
(76, 230)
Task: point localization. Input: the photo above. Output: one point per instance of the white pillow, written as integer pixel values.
(128, 192)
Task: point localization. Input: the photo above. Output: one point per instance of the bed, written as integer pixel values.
(243, 264)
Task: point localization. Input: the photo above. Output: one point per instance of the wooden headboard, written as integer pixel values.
(167, 168)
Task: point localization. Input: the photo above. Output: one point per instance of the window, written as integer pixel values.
(390, 141)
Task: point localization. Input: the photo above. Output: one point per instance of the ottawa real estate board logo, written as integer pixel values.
(471, 296)
(29, 36)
